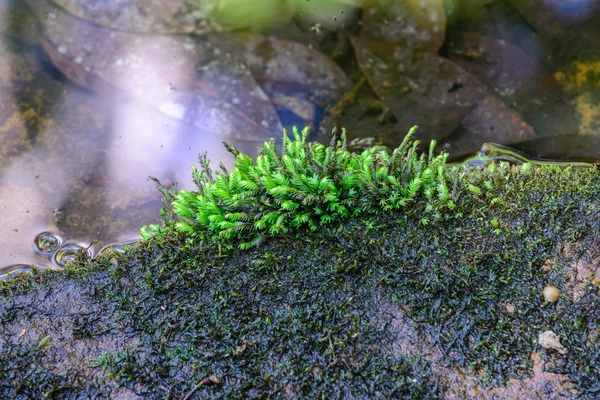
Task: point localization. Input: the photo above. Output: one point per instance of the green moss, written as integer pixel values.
(308, 185)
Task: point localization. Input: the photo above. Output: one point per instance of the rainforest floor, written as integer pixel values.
(392, 305)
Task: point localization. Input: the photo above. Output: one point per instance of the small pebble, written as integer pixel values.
(551, 294)
(547, 265)
(549, 340)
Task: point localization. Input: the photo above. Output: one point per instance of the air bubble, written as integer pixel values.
(13, 270)
(46, 243)
(486, 149)
(67, 253)
(116, 248)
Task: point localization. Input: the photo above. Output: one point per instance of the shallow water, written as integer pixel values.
(75, 164)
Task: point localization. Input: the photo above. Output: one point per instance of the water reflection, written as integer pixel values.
(74, 164)
(68, 252)
(14, 270)
(46, 243)
(115, 248)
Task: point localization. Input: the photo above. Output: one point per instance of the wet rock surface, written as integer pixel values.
(376, 306)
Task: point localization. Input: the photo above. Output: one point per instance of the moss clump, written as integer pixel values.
(308, 184)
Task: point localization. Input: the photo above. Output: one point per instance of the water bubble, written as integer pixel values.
(116, 248)
(67, 253)
(46, 243)
(13, 270)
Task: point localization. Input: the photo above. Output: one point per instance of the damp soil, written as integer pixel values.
(376, 306)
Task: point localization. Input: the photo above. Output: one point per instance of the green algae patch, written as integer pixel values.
(311, 313)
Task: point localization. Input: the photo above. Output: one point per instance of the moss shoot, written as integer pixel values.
(309, 185)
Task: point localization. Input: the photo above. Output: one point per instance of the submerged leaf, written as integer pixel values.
(440, 96)
(412, 24)
(519, 79)
(418, 89)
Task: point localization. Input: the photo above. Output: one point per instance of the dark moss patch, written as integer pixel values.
(301, 315)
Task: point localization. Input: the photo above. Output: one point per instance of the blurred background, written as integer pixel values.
(97, 95)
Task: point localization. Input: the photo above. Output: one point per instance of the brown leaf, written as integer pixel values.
(422, 89)
(359, 123)
(439, 96)
(491, 120)
(232, 103)
(288, 68)
(519, 79)
(412, 24)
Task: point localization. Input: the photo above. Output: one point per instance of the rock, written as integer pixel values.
(551, 294)
(549, 340)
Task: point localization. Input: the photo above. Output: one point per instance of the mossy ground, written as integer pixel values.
(307, 314)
